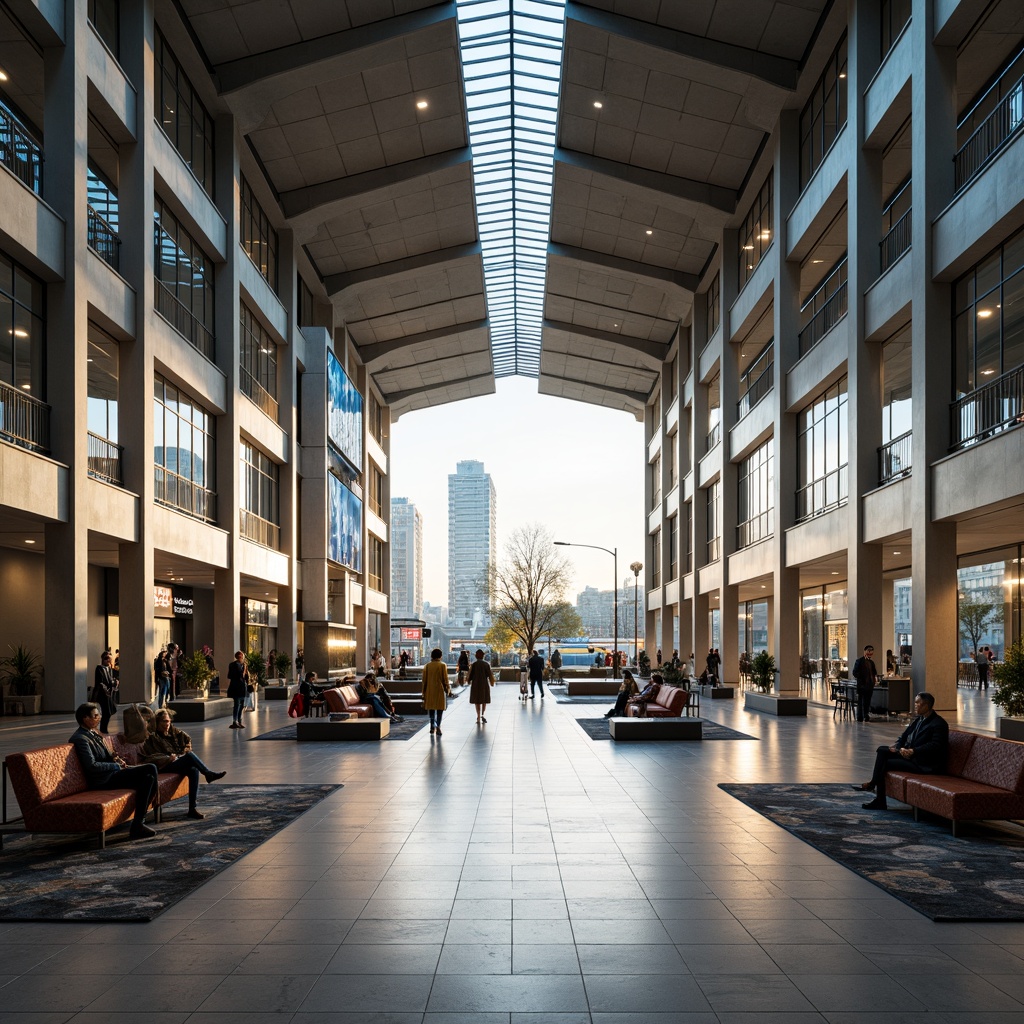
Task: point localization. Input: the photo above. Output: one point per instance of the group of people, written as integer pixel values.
(984, 659)
(165, 749)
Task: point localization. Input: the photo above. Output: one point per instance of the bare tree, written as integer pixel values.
(974, 617)
(528, 585)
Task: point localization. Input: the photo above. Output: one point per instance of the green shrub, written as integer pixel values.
(1009, 678)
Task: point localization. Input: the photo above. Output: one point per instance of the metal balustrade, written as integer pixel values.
(824, 494)
(259, 530)
(894, 459)
(991, 135)
(257, 393)
(184, 495)
(988, 410)
(104, 459)
(183, 320)
(757, 386)
(24, 420)
(897, 241)
(714, 436)
(103, 239)
(20, 153)
(832, 310)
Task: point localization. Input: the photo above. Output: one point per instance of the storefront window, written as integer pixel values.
(824, 640)
(989, 600)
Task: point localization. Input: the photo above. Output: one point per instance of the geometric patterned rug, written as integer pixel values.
(68, 878)
(597, 729)
(978, 876)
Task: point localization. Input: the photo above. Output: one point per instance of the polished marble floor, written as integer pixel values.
(520, 872)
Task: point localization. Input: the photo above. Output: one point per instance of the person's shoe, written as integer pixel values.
(234, 725)
(433, 729)
(214, 776)
(484, 720)
(141, 832)
(532, 696)
(864, 787)
(193, 813)
(876, 805)
(399, 719)
(438, 731)
(478, 721)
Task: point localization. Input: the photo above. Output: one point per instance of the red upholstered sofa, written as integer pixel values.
(984, 779)
(53, 795)
(669, 702)
(346, 698)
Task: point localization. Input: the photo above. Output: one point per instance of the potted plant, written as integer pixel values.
(20, 671)
(762, 672)
(196, 674)
(257, 667)
(1009, 692)
(282, 665)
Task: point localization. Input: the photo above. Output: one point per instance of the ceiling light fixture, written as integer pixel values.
(29, 541)
(748, 248)
(649, 231)
(422, 104)
(4, 76)
(817, 261)
(987, 373)
(598, 105)
(983, 313)
(897, 552)
(835, 573)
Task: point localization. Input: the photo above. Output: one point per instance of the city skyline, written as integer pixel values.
(584, 479)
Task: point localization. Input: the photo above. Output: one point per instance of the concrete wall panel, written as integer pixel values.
(887, 301)
(30, 231)
(33, 483)
(753, 429)
(181, 535)
(820, 537)
(262, 563)
(111, 299)
(751, 562)
(997, 461)
(112, 511)
(887, 511)
(816, 371)
(187, 367)
(887, 100)
(821, 199)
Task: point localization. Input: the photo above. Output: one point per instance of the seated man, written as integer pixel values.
(921, 749)
(170, 750)
(369, 691)
(103, 770)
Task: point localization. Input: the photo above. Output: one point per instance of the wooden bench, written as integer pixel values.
(53, 794)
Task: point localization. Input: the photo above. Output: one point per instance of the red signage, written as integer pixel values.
(411, 633)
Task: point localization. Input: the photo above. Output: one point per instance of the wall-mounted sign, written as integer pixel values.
(182, 606)
(411, 633)
(163, 602)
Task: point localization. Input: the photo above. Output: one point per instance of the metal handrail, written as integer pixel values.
(20, 153)
(104, 459)
(755, 529)
(183, 320)
(990, 409)
(760, 387)
(894, 458)
(991, 135)
(184, 495)
(897, 240)
(24, 420)
(824, 494)
(257, 393)
(259, 530)
(714, 436)
(832, 311)
(103, 239)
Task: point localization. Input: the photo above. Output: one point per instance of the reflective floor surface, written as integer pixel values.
(518, 871)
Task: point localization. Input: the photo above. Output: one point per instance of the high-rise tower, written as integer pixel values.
(472, 543)
(406, 559)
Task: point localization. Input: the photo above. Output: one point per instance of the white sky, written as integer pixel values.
(576, 468)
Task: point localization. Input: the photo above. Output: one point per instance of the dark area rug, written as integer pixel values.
(597, 729)
(398, 731)
(55, 878)
(976, 877)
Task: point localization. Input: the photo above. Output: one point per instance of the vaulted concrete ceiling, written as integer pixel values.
(663, 111)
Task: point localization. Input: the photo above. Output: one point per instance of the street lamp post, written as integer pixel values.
(614, 552)
(636, 567)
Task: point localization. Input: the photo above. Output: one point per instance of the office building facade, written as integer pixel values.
(472, 544)
(406, 559)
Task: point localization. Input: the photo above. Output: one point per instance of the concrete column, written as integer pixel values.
(313, 498)
(227, 595)
(864, 397)
(729, 387)
(135, 398)
(785, 580)
(933, 545)
(66, 656)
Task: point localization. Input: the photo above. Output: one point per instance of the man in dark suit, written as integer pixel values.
(536, 665)
(866, 675)
(104, 770)
(922, 749)
(103, 690)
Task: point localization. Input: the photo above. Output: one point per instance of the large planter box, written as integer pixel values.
(202, 710)
(774, 704)
(31, 704)
(592, 687)
(718, 692)
(1010, 729)
(280, 691)
(655, 728)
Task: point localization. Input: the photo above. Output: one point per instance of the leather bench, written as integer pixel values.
(668, 702)
(346, 698)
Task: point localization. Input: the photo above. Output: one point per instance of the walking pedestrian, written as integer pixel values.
(536, 666)
(481, 679)
(238, 688)
(436, 689)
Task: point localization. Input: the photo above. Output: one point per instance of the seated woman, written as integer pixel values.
(627, 689)
(369, 691)
(309, 691)
(170, 750)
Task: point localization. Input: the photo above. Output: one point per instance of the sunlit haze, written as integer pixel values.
(576, 468)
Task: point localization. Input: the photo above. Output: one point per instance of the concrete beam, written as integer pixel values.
(653, 352)
(688, 282)
(399, 396)
(717, 197)
(632, 396)
(767, 67)
(335, 283)
(374, 355)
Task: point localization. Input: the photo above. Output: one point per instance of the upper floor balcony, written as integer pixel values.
(824, 309)
(24, 420)
(20, 152)
(988, 410)
(104, 460)
(897, 225)
(757, 381)
(894, 458)
(185, 495)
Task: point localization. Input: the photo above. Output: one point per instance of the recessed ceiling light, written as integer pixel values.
(897, 552)
(764, 586)
(422, 104)
(835, 574)
(3, 75)
(817, 261)
(842, 74)
(26, 387)
(649, 231)
(598, 105)
(28, 541)
(18, 332)
(983, 313)
(987, 373)
(766, 234)
(748, 248)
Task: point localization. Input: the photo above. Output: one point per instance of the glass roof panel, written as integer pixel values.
(511, 64)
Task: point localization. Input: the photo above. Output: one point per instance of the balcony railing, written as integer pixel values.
(184, 495)
(19, 151)
(760, 380)
(103, 240)
(257, 393)
(988, 410)
(104, 459)
(824, 494)
(259, 530)
(714, 436)
(183, 320)
(894, 458)
(829, 312)
(24, 420)
(755, 529)
(714, 549)
(991, 135)
(896, 241)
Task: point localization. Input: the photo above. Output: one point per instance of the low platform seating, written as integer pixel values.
(346, 698)
(669, 702)
(984, 780)
(53, 795)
